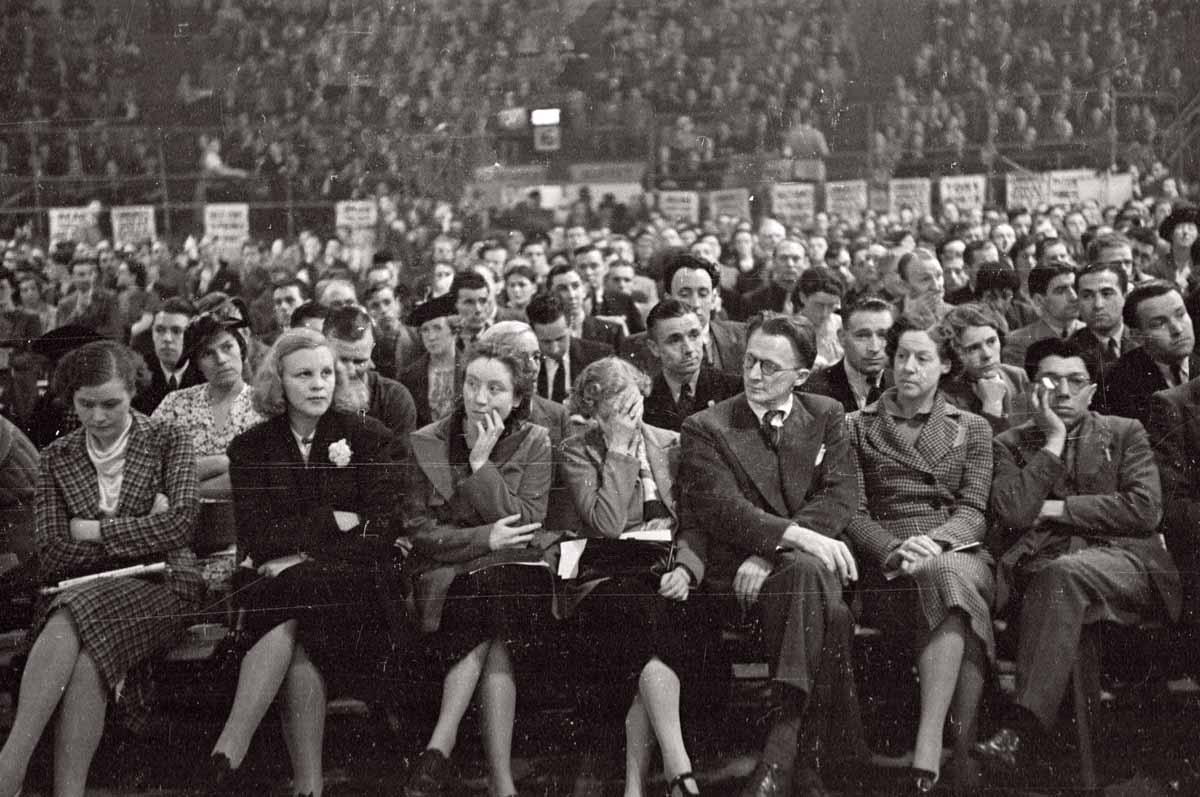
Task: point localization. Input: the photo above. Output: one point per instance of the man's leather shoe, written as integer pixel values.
(806, 782)
(1004, 754)
(767, 780)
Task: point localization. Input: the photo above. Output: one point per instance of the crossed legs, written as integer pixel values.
(951, 669)
(59, 675)
(487, 668)
(654, 716)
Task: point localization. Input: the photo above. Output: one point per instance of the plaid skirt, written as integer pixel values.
(913, 605)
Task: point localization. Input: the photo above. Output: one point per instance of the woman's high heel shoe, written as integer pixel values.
(678, 787)
(923, 781)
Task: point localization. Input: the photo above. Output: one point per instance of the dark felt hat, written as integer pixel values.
(58, 343)
(1179, 215)
(440, 307)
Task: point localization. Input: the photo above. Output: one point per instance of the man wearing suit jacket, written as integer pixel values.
(1077, 502)
(589, 261)
(563, 356)
(985, 386)
(91, 306)
(566, 283)
(766, 487)
(693, 281)
(167, 366)
(1052, 289)
(788, 262)
(1174, 430)
(860, 377)
(1165, 358)
(1102, 288)
(683, 385)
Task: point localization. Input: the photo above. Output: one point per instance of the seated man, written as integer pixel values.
(1174, 430)
(1165, 357)
(1077, 503)
(985, 386)
(563, 356)
(766, 488)
(861, 376)
(684, 384)
(1052, 289)
(351, 332)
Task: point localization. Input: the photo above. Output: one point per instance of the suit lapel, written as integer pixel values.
(799, 448)
(885, 438)
(139, 471)
(429, 449)
(939, 433)
(758, 461)
(660, 468)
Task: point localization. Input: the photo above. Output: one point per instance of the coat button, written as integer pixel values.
(930, 478)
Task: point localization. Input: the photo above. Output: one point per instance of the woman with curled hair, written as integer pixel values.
(314, 492)
(216, 412)
(621, 475)
(925, 471)
(479, 484)
(119, 491)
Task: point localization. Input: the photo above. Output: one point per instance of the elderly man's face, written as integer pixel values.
(338, 294)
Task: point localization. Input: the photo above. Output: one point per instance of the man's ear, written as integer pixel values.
(801, 377)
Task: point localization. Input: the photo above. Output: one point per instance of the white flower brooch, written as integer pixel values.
(339, 453)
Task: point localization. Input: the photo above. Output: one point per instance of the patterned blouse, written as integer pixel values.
(190, 410)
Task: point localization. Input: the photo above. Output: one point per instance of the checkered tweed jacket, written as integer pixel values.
(158, 459)
(938, 487)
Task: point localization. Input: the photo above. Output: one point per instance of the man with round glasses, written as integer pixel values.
(1077, 501)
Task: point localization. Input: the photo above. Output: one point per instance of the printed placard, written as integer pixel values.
(69, 224)
(133, 224)
(912, 192)
(966, 191)
(360, 214)
(793, 203)
(679, 205)
(733, 202)
(1027, 190)
(228, 224)
(846, 199)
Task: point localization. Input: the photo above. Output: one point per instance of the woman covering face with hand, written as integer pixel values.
(636, 625)
(479, 483)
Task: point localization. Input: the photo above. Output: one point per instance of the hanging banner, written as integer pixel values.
(679, 205)
(911, 192)
(1028, 190)
(793, 203)
(360, 214)
(70, 224)
(1118, 189)
(846, 199)
(967, 191)
(733, 202)
(228, 224)
(133, 225)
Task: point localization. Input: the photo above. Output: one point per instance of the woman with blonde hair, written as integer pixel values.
(621, 475)
(315, 496)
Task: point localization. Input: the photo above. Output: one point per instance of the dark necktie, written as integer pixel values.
(771, 432)
(873, 394)
(684, 405)
(172, 383)
(1176, 374)
(1110, 351)
(559, 392)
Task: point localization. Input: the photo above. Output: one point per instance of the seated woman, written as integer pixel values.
(314, 494)
(480, 480)
(925, 473)
(620, 473)
(117, 492)
(433, 378)
(819, 296)
(216, 412)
